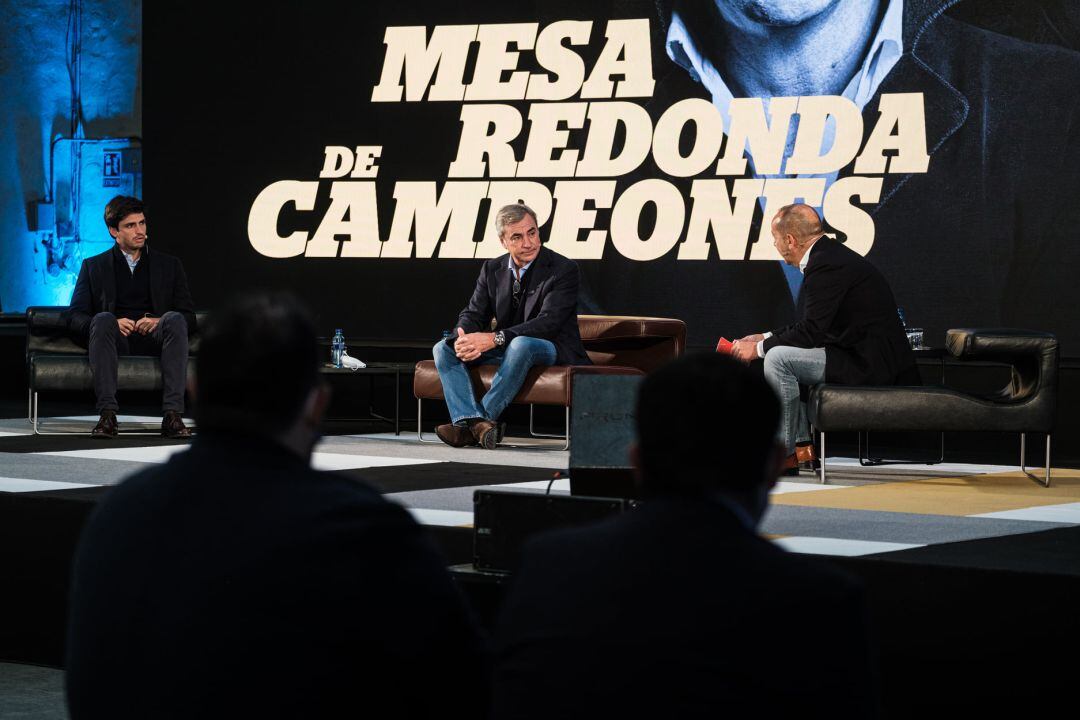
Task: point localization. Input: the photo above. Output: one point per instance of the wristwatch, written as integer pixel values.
(500, 338)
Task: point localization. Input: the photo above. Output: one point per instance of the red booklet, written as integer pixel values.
(724, 346)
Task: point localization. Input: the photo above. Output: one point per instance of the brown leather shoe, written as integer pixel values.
(172, 426)
(455, 435)
(806, 453)
(106, 427)
(486, 433)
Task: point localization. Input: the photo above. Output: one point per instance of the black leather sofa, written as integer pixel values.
(1027, 404)
(55, 362)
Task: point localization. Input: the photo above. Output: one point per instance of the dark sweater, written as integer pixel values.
(132, 288)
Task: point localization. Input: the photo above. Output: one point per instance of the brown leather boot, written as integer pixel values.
(455, 435)
(486, 433)
(106, 428)
(172, 426)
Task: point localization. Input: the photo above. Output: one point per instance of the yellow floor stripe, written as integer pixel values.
(967, 495)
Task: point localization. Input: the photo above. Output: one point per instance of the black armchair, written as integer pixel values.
(1027, 404)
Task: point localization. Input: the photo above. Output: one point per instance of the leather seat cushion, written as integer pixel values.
(72, 372)
(549, 385)
(845, 408)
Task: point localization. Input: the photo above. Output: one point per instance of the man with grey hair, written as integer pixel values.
(522, 313)
(848, 330)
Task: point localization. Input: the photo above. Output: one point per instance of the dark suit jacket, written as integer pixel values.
(95, 290)
(848, 308)
(234, 581)
(550, 304)
(676, 610)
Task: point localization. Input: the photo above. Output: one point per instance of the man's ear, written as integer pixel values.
(112, 231)
(634, 451)
(318, 400)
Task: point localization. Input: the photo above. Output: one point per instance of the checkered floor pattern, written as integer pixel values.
(862, 511)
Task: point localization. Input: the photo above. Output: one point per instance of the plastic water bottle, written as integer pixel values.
(337, 348)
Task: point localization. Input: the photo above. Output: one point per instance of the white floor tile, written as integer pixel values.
(445, 518)
(783, 487)
(343, 461)
(151, 454)
(161, 453)
(21, 485)
(1065, 513)
(562, 484)
(836, 546)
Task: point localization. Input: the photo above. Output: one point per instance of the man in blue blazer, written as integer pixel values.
(522, 313)
(129, 301)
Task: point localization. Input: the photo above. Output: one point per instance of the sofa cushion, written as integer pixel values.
(72, 372)
(546, 385)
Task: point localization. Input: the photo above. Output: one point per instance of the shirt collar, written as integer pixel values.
(526, 266)
(885, 50)
(132, 262)
(806, 257)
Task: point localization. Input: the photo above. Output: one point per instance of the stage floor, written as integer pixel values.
(862, 511)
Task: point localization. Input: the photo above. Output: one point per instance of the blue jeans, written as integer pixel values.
(514, 361)
(786, 368)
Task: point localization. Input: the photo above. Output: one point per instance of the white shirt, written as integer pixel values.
(802, 269)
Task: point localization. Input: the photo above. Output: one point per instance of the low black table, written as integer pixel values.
(395, 369)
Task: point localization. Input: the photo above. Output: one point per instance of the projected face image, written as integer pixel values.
(775, 13)
(522, 240)
(131, 233)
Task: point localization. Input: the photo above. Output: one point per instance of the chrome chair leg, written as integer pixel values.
(821, 457)
(419, 423)
(1047, 481)
(1023, 452)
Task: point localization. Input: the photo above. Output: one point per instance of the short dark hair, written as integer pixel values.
(257, 362)
(705, 422)
(120, 207)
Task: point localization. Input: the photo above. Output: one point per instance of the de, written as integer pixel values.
(340, 160)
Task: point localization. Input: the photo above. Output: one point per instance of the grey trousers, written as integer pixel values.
(169, 341)
(785, 369)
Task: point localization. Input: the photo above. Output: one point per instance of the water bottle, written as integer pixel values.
(337, 348)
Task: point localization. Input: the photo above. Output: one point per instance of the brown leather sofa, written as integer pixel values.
(617, 345)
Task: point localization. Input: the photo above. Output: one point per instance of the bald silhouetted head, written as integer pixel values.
(794, 228)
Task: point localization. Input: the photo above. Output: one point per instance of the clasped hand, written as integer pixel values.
(143, 326)
(745, 348)
(470, 346)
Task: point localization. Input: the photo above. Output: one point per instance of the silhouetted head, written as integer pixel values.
(707, 424)
(257, 369)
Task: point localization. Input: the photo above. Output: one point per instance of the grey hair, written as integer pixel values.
(510, 214)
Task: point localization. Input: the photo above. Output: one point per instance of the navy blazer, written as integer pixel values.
(550, 304)
(848, 308)
(95, 290)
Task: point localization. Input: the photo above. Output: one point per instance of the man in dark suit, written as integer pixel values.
(531, 294)
(236, 581)
(848, 331)
(679, 609)
(129, 301)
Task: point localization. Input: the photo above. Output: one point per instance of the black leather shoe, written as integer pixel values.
(106, 427)
(172, 426)
(486, 433)
(455, 435)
